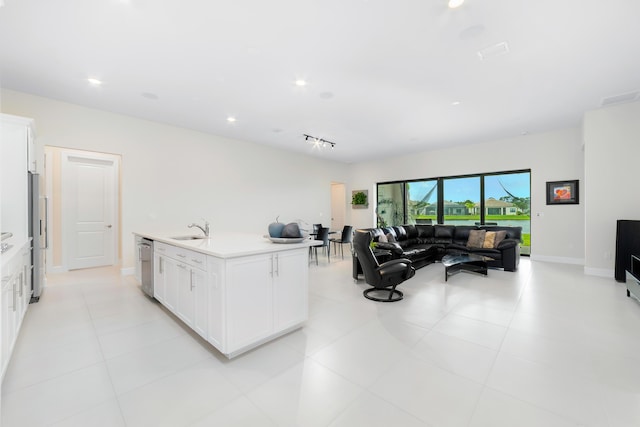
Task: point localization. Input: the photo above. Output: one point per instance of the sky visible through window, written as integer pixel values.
(462, 189)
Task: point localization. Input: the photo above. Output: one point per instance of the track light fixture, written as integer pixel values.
(318, 142)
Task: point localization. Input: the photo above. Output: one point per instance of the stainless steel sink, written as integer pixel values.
(189, 237)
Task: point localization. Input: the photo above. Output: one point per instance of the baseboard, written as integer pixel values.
(558, 259)
(600, 272)
(57, 269)
(129, 271)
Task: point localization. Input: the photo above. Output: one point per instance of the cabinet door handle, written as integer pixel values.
(182, 266)
(161, 266)
(181, 256)
(197, 261)
(277, 265)
(14, 295)
(191, 280)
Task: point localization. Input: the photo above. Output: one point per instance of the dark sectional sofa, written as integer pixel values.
(425, 244)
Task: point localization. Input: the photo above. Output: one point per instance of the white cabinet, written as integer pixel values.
(164, 275)
(180, 284)
(236, 299)
(249, 300)
(201, 287)
(16, 136)
(265, 296)
(31, 149)
(16, 293)
(290, 290)
(159, 277)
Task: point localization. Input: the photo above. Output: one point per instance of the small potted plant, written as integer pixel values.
(359, 199)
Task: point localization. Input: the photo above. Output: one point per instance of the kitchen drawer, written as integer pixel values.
(161, 248)
(185, 256)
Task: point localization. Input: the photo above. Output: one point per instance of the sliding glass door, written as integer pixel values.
(507, 201)
(390, 209)
(422, 202)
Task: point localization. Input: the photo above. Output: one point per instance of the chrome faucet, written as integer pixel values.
(204, 229)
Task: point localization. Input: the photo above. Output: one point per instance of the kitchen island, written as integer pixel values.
(235, 290)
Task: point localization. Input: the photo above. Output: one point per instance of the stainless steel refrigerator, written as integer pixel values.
(38, 234)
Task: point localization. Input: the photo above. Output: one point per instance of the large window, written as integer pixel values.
(501, 198)
(461, 201)
(508, 202)
(422, 201)
(390, 209)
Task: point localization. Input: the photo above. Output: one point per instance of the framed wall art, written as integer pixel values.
(360, 199)
(563, 192)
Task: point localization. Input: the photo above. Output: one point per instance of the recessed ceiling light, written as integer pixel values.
(455, 103)
(231, 119)
(301, 82)
(455, 3)
(94, 81)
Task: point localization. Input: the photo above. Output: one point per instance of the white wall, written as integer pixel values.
(612, 159)
(173, 176)
(557, 235)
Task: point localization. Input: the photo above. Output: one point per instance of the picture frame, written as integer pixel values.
(563, 192)
(360, 199)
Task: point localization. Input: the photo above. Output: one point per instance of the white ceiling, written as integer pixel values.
(382, 75)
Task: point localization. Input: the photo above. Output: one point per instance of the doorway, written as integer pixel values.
(85, 192)
(338, 206)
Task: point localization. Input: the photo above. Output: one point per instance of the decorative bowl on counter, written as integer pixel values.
(286, 239)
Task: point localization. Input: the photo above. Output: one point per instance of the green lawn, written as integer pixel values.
(477, 217)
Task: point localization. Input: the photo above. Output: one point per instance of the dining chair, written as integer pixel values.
(314, 233)
(345, 238)
(323, 234)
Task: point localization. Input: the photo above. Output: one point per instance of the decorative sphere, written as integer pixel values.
(275, 229)
(291, 230)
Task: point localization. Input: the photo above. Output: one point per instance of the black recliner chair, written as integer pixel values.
(383, 277)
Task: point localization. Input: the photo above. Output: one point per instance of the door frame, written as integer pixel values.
(56, 218)
(338, 205)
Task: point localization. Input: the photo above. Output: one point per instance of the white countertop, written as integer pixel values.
(228, 245)
(16, 247)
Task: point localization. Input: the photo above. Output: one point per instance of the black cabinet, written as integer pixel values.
(627, 244)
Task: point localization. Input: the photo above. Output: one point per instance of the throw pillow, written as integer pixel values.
(390, 238)
(476, 238)
(489, 239)
(382, 238)
(500, 236)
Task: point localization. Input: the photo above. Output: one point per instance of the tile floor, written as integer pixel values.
(546, 346)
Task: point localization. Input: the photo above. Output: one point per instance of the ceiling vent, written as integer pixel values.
(619, 99)
(492, 51)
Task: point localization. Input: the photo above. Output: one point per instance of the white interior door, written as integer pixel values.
(338, 206)
(89, 209)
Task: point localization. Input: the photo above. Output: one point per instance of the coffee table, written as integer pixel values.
(465, 262)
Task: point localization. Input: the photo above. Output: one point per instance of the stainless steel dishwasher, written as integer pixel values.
(145, 252)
